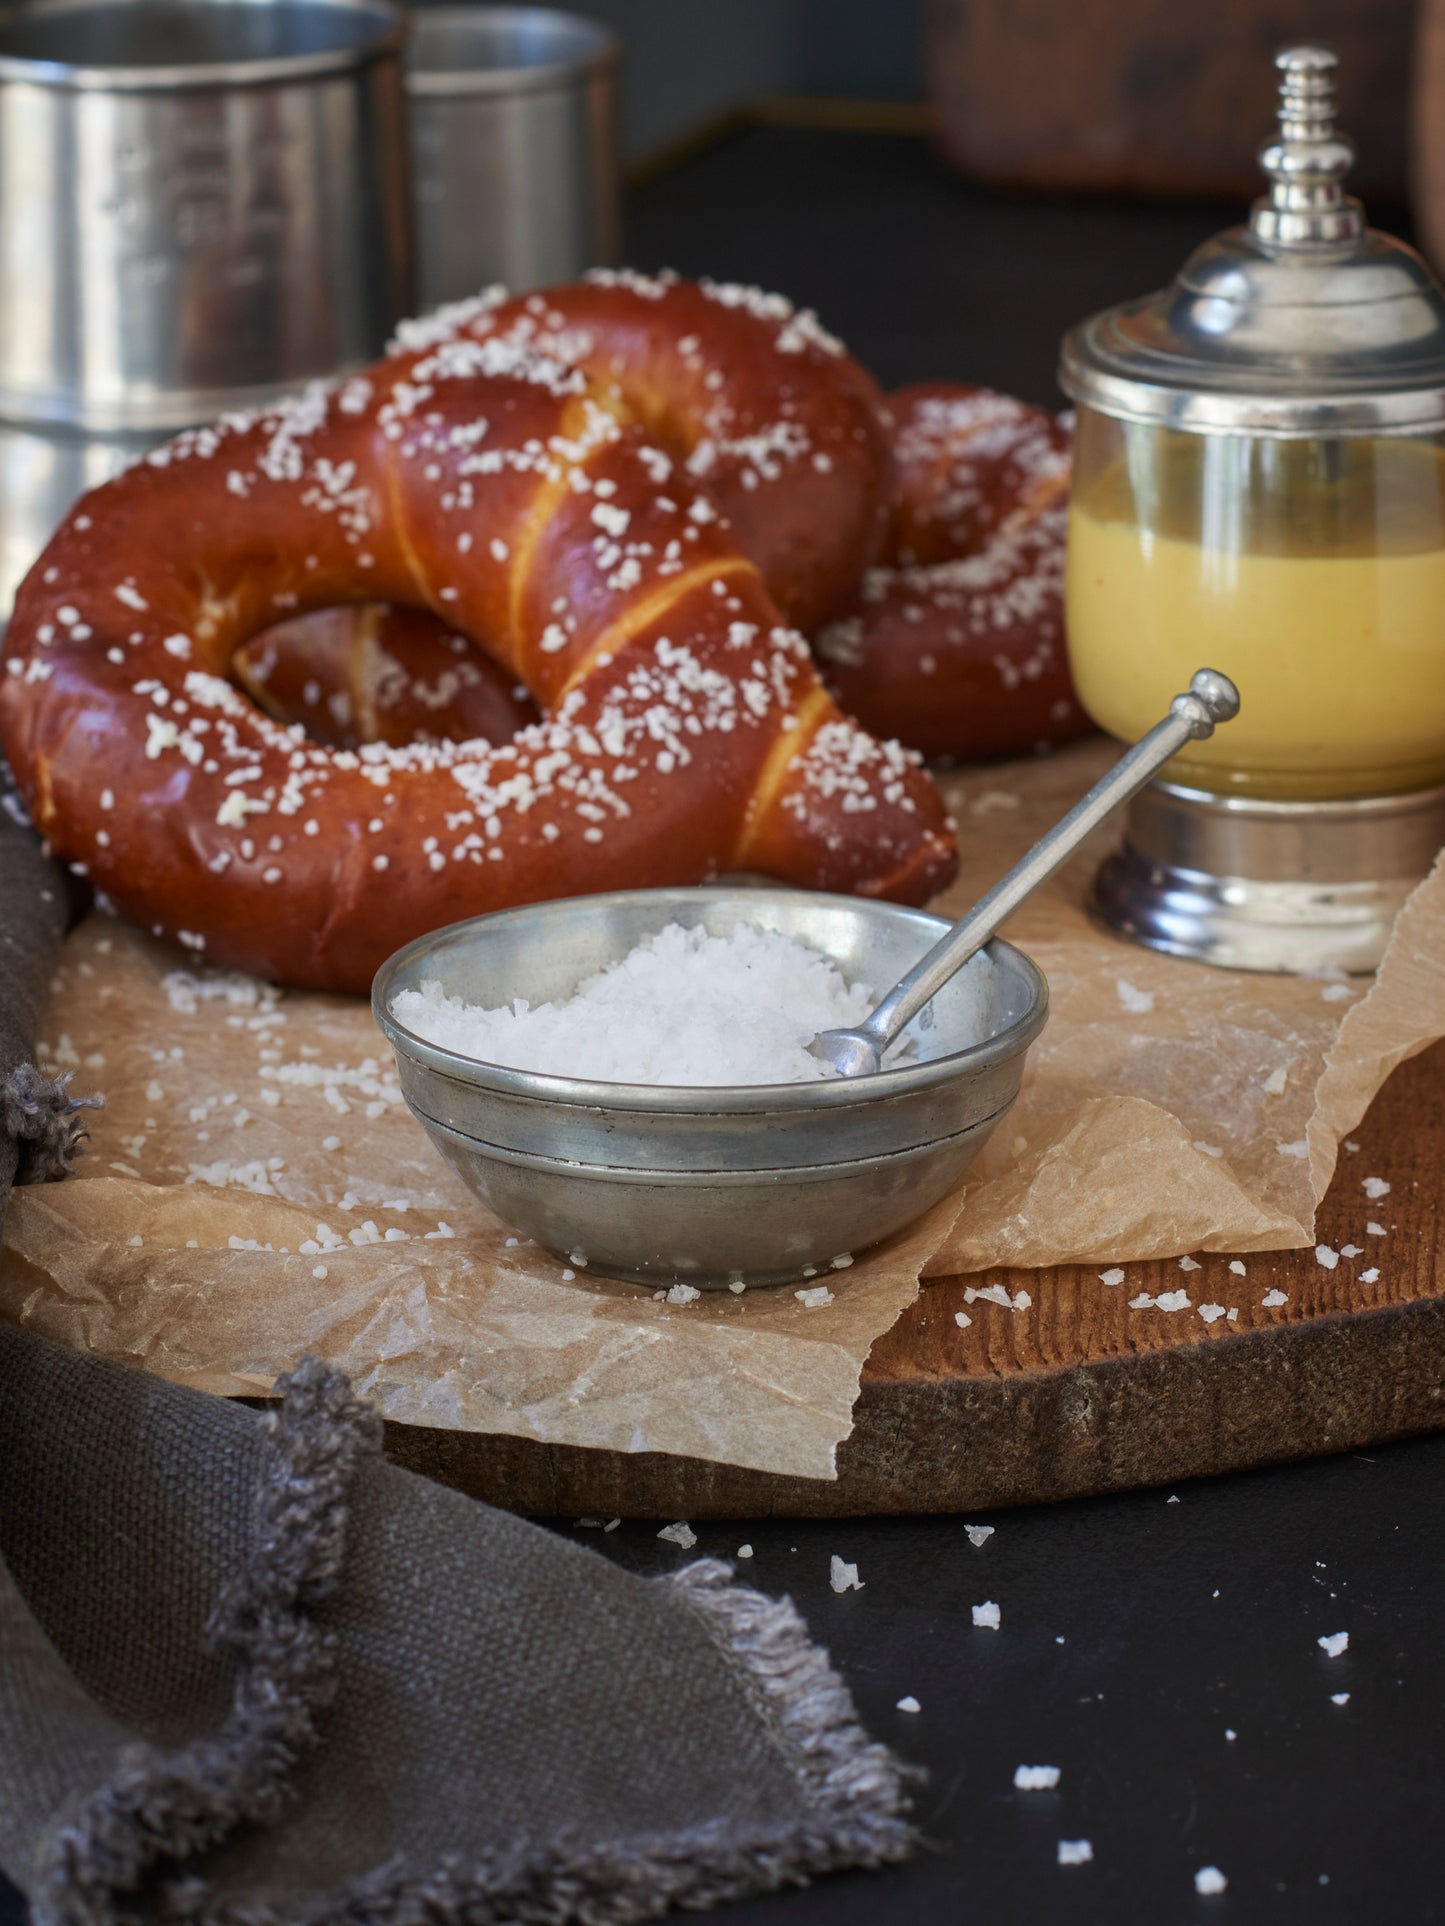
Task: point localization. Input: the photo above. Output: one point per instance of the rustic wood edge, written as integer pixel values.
(1329, 1384)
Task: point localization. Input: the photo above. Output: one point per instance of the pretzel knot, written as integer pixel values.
(578, 525)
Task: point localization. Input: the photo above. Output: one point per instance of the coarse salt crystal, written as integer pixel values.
(1372, 1229)
(987, 1615)
(1273, 1299)
(1352, 1250)
(815, 1297)
(677, 1294)
(744, 1551)
(1211, 1312)
(1333, 1643)
(1236, 1267)
(1370, 1276)
(1189, 1264)
(1339, 1698)
(1172, 1301)
(684, 1008)
(1375, 1188)
(1029, 1778)
(1075, 1852)
(843, 1577)
(962, 1319)
(1209, 1880)
(1113, 1276)
(909, 1704)
(978, 1534)
(1327, 1257)
(680, 1534)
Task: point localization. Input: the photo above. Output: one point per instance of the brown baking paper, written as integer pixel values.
(1167, 1108)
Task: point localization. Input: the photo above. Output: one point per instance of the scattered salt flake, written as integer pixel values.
(1375, 1188)
(909, 1704)
(744, 1551)
(1372, 1229)
(1230, 1733)
(1209, 1880)
(1172, 1301)
(1075, 1852)
(1211, 1312)
(318, 1270)
(1273, 1299)
(677, 1293)
(1137, 1002)
(1352, 1250)
(987, 1615)
(1333, 1643)
(962, 1319)
(1113, 1276)
(814, 1298)
(1327, 1257)
(1189, 1264)
(1236, 1267)
(1035, 1778)
(1371, 1276)
(569, 1277)
(1339, 1698)
(1232, 1314)
(681, 1534)
(843, 1577)
(998, 1294)
(1300, 1148)
(1275, 1082)
(1172, 1499)
(1351, 1145)
(1143, 1302)
(978, 1534)
(1336, 992)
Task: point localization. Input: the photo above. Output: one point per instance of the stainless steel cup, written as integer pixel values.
(202, 203)
(512, 146)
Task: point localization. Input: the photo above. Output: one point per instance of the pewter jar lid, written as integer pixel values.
(1306, 322)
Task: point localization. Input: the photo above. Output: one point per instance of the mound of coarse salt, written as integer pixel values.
(682, 1008)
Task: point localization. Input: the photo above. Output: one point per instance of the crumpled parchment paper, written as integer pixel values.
(256, 1188)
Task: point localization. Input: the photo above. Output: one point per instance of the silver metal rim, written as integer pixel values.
(711, 1099)
(389, 39)
(1407, 411)
(1404, 802)
(543, 77)
(705, 1176)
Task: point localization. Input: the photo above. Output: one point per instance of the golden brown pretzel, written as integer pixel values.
(956, 644)
(477, 475)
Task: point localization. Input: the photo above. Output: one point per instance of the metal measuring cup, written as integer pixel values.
(513, 147)
(203, 203)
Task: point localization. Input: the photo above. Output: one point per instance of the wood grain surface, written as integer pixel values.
(1079, 1392)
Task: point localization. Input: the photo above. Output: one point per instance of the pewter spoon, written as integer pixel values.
(1212, 698)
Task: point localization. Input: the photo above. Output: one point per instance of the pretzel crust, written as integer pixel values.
(477, 473)
(955, 643)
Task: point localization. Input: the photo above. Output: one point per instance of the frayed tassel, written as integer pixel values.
(42, 1117)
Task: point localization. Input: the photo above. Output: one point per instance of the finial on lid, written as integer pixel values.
(1307, 160)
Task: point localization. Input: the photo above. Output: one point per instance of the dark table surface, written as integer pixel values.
(1161, 1649)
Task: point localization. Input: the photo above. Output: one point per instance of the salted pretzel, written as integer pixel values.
(956, 641)
(577, 532)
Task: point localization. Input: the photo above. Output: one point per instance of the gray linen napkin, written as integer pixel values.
(252, 1674)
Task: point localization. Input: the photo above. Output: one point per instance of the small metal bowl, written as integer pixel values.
(734, 1185)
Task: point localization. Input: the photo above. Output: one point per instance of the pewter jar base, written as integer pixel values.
(1272, 886)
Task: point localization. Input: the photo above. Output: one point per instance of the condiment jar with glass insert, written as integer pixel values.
(1259, 484)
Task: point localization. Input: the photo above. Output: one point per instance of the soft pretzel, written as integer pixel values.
(476, 474)
(956, 642)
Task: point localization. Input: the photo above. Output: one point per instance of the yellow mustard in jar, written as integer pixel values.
(1312, 572)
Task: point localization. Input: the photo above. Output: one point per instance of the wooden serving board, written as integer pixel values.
(1078, 1392)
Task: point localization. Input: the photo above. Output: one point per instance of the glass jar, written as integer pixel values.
(1311, 570)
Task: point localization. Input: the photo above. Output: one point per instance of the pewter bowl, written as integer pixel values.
(739, 1184)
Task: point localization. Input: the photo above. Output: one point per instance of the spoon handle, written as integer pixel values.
(1212, 698)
